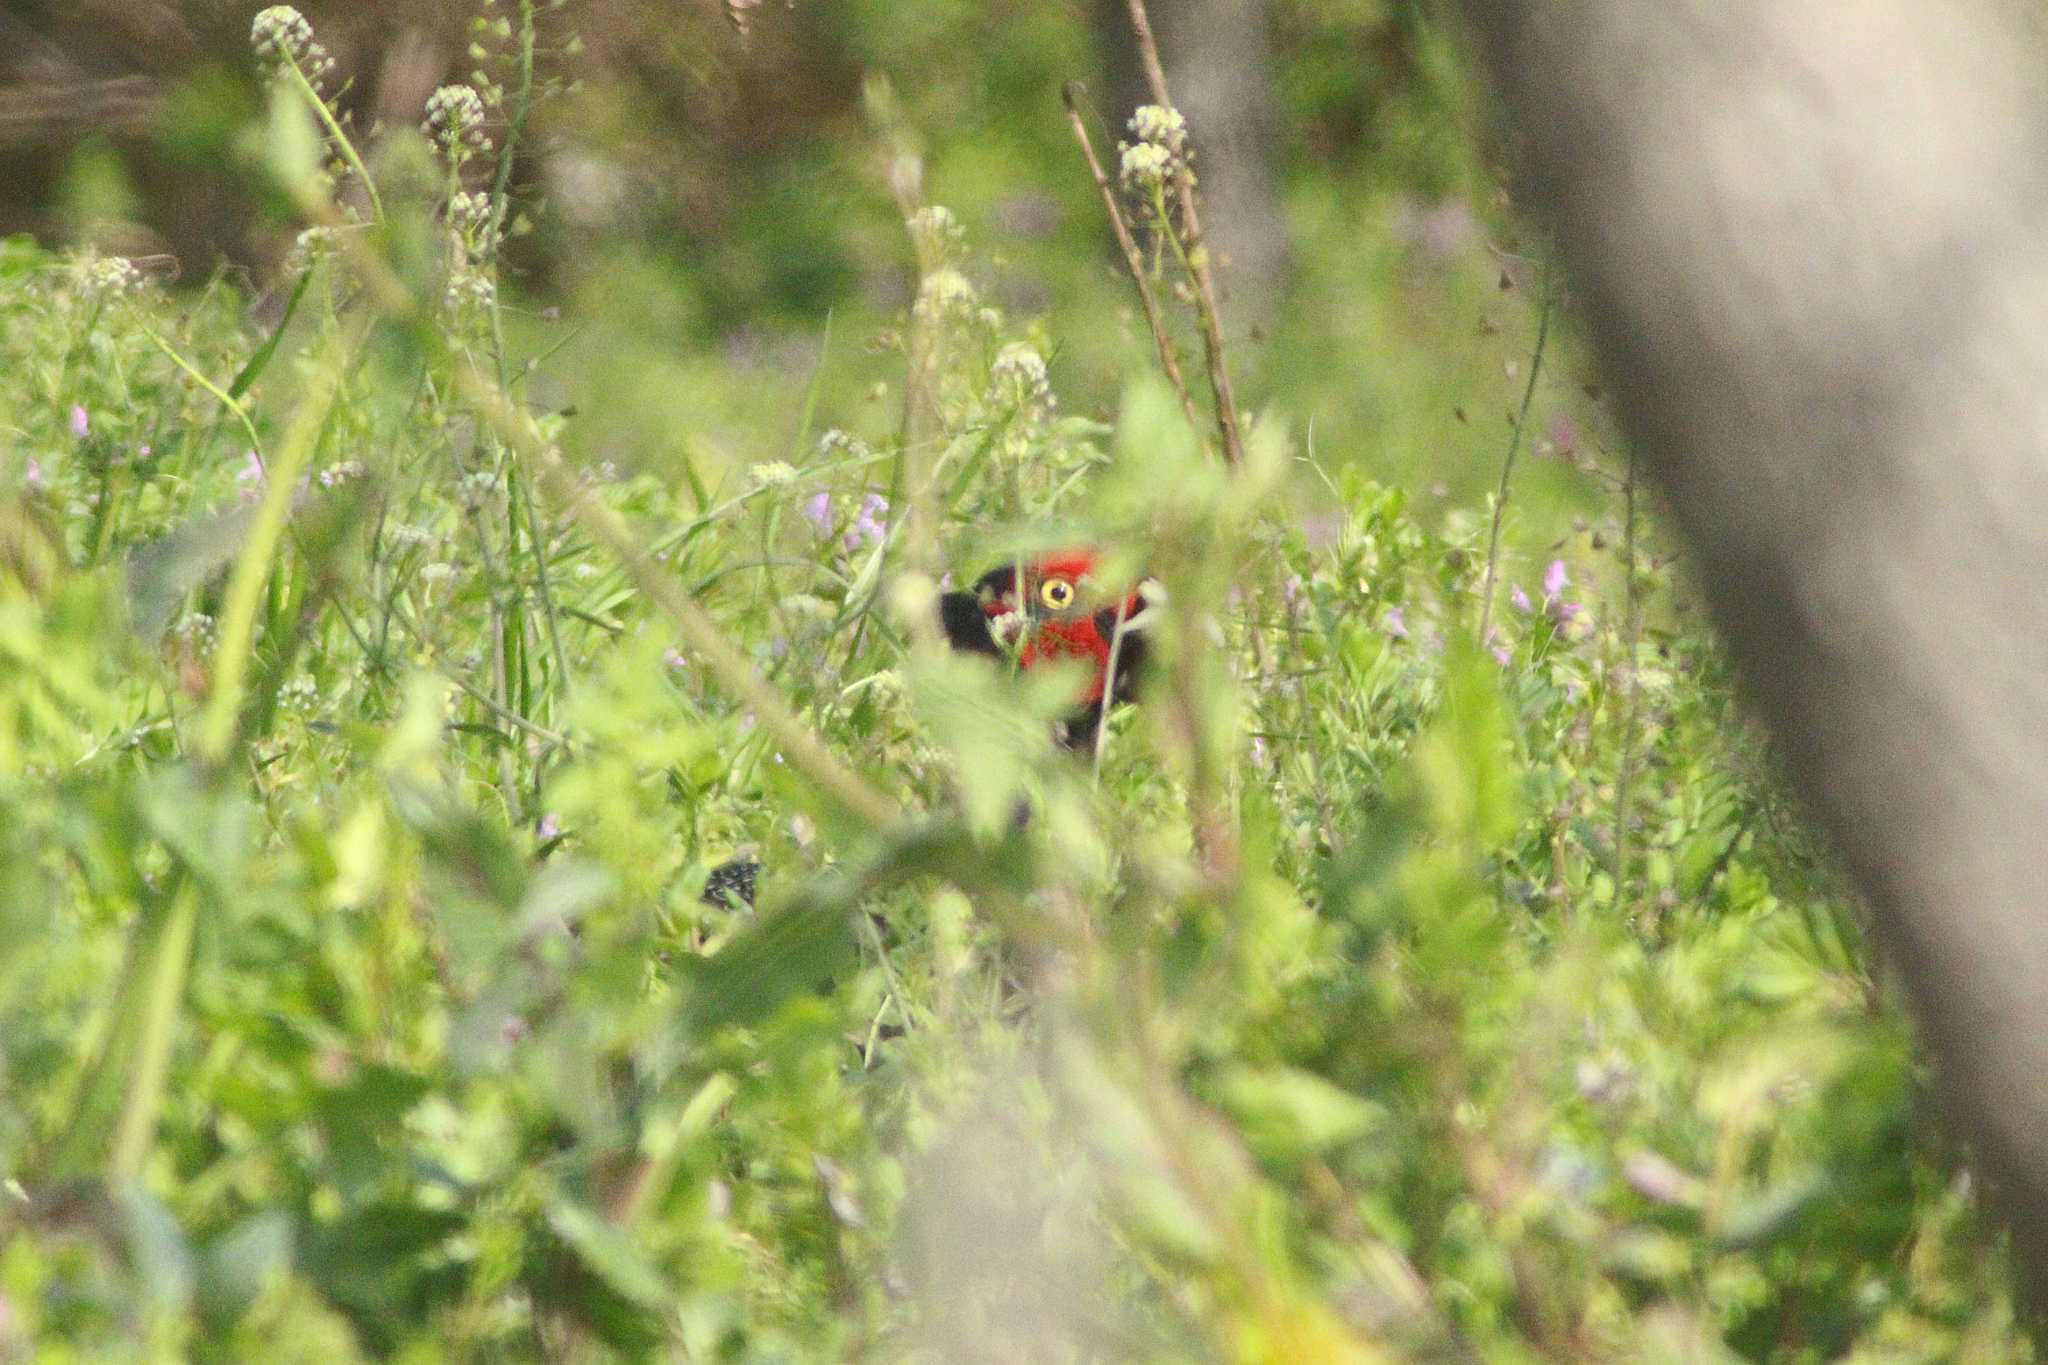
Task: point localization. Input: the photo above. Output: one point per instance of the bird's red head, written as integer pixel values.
(1055, 607)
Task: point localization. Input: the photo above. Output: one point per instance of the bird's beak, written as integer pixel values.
(1007, 626)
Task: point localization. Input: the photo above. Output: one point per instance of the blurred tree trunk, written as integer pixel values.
(1809, 237)
(1219, 65)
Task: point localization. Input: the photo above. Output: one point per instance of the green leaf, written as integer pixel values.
(610, 1255)
(1286, 1115)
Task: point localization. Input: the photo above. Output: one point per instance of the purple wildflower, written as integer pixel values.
(872, 524)
(549, 828)
(251, 472)
(1519, 598)
(1555, 580)
(818, 507)
(81, 421)
(33, 474)
(1502, 655)
(1397, 623)
(673, 658)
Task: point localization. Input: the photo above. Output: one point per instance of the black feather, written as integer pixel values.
(731, 884)
(965, 624)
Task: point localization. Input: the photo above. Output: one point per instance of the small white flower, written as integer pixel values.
(837, 442)
(469, 210)
(470, 289)
(773, 474)
(478, 489)
(944, 292)
(301, 694)
(1160, 125)
(310, 247)
(282, 37)
(935, 230)
(1145, 165)
(1017, 377)
(455, 121)
(94, 275)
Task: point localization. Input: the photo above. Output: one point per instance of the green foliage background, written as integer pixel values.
(387, 665)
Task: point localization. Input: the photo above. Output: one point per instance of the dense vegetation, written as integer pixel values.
(1427, 970)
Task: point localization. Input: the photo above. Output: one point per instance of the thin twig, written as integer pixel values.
(1132, 257)
(1197, 256)
(1507, 467)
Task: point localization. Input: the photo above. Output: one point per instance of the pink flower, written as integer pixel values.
(1519, 598)
(33, 474)
(1563, 434)
(549, 828)
(818, 507)
(81, 420)
(1555, 579)
(1502, 656)
(1397, 623)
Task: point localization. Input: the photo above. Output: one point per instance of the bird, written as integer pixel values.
(1059, 611)
(1050, 608)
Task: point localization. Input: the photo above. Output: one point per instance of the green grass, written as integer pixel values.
(1378, 999)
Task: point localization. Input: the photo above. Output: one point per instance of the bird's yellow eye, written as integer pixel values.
(1056, 593)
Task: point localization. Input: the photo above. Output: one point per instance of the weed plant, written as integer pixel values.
(1385, 989)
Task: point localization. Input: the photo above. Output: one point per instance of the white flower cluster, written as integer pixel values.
(842, 443)
(478, 489)
(455, 122)
(1145, 165)
(473, 238)
(942, 293)
(336, 475)
(470, 217)
(935, 229)
(301, 694)
(282, 38)
(1160, 151)
(773, 474)
(198, 630)
(309, 248)
(100, 275)
(468, 288)
(1017, 377)
(1161, 126)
